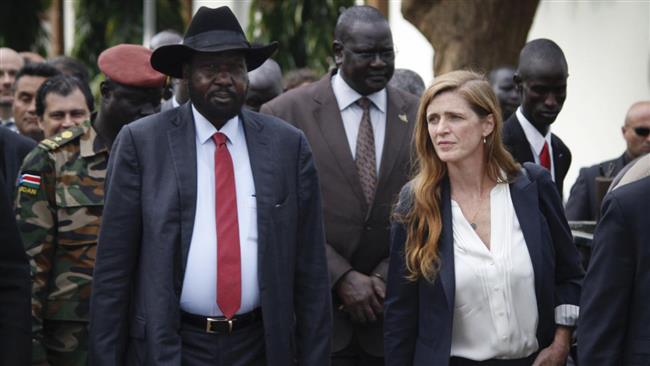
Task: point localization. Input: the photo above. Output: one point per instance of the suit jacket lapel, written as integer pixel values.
(523, 151)
(259, 151)
(182, 143)
(525, 199)
(328, 118)
(446, 247)
(396, 137)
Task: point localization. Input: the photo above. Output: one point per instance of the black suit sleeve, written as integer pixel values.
(312, 290)
(15, 314)
(118, 248)
(401, 304)
(608, 289)
(578, 206)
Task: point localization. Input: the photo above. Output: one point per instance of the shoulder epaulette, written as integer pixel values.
(62, 138)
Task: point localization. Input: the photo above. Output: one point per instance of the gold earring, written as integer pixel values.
(484, 140)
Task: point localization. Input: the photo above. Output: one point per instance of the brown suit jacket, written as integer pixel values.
(356, 238)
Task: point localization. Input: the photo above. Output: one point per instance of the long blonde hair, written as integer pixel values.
(423, 219)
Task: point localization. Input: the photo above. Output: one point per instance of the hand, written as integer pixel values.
(357, 292)
(557, 353)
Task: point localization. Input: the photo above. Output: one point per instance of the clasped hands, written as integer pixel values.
(362, 296)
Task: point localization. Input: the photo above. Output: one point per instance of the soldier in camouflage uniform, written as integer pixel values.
(59, 204)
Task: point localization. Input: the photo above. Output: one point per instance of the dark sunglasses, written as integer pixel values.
(642, 131)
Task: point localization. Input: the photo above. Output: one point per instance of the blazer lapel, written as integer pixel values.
(328, 118)
(259, 151)
(396, 137)
(523, 151)
(446, 247)
(525, 199)
(182, 144)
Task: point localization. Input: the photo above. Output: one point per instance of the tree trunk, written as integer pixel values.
(472, 34)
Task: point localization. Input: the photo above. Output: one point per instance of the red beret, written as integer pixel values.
(129, 64)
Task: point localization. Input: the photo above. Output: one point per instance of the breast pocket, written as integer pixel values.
(79, 212)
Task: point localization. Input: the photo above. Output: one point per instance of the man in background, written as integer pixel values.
(541, 80)
(503, 84)
(360, 131)
(62, 102)
(28, 80)
(10, 63)
(584, 201)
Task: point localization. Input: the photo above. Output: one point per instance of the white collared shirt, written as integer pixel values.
(495, 308)
(351, 114)
(536, 140)
(199, 295)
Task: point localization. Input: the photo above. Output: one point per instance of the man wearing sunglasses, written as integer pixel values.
(584, 201)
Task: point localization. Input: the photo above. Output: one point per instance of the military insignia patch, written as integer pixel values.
(29, 183)
(66, 134)
(30, 180)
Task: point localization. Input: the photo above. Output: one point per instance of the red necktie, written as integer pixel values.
(228, 255)
(545, 157)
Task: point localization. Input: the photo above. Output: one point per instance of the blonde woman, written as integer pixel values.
(483, 270)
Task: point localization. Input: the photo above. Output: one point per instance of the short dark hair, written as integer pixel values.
(408, 81)
(71, 66)
(540, 51)
(363, 13)
(63, 85)
(40, 69)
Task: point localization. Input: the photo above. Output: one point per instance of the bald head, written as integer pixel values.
(10, 63)
(636, 130)
(265, 83)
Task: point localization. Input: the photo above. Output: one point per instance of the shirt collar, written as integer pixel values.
(346, 96)
(205, 129)
(535, 139)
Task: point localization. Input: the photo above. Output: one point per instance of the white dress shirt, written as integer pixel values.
(495, 311)
(199, 293)
(351, 114)
(536, 140)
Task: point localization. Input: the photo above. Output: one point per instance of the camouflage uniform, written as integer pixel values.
(59, 202)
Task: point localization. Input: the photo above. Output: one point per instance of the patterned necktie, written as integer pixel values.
(365, 153)
(228, 254)
(545, 157)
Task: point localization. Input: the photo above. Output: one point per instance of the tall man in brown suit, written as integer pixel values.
(359, 129)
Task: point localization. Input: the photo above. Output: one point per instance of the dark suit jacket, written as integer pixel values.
(15, 289)
(356, 238)
(147, 227)
(515, 140)
(615, 310)
(582, 204)
(13, 149)
(419, 315)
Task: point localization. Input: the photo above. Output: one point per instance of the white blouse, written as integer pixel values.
(495, 312)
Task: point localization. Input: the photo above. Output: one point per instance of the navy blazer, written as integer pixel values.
(13, 149)
(514, 138)
(147, 228)
(615, 303)
(419, 315)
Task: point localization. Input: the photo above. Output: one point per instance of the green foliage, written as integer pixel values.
(101, 24)
(304, 29)
(20, 25)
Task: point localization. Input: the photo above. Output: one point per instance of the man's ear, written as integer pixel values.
(517, 80)
(337, 49)
(105, 90)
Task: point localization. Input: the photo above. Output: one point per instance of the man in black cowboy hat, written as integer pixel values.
(212, 247)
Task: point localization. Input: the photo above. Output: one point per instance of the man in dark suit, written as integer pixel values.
(13, 149)
(614, 312)
(211, 250)
(541, 79)
(15, 322)
(584, 201)
(360, 131)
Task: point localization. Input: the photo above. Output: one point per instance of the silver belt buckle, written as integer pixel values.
(210, 321)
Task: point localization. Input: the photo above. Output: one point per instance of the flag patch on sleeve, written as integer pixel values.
(30, 180)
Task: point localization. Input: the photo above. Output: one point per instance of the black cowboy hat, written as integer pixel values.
(211, 30)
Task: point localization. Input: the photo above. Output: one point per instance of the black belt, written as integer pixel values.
(459, 361)
(219, 324)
